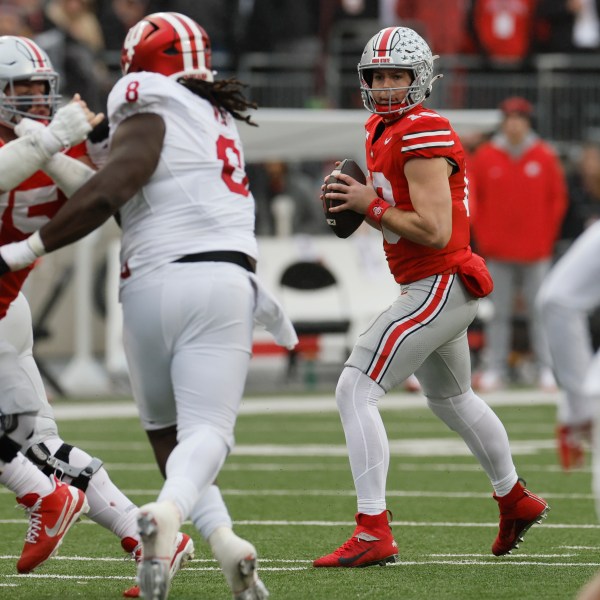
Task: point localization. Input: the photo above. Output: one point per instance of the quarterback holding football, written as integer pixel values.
(417, 194)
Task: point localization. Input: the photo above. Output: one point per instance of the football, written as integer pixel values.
(344, 223)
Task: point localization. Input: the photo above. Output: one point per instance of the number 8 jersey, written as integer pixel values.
(197, 199)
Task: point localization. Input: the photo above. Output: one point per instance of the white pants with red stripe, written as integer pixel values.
(423, 332)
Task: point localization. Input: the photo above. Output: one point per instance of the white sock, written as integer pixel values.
(109, 507)
(210, 513)
(22, 477)
(192, 467)
(484, 434)
(368, 449)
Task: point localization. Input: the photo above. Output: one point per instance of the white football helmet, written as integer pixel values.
(397, 48)
(23, 60)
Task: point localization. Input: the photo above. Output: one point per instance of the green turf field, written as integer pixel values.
(289, 490)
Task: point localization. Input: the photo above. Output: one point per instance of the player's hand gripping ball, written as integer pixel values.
(343, 223)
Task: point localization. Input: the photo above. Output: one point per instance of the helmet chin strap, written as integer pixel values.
(390, 110)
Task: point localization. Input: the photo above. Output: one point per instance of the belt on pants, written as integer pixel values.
(230, 256)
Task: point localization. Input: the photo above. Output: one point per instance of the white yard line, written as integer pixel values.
(293, 467)
(444, 447)
(284, 523)
(318, 493)
(299, 404)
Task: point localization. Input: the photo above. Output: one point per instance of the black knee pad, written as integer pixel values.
(14, 430)
(8, 448)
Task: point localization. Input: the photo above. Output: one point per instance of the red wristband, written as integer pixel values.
(377, 209)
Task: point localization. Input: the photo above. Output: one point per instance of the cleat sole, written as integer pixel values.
(382, 562)
(153, 579)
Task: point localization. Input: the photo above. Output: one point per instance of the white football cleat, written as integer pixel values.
(182, 553)
(158, 526)
(238, 560)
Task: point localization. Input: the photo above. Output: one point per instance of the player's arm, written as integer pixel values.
(67, 172)
(431, 222)
(133, 157)
(22, 157)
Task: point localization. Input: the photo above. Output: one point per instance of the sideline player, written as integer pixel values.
(175, 174)
(29, 198)
(419, 200)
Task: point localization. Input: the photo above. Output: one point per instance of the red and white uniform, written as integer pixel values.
(419, 133)
(198, 198)
(430, 317)
(24, 210)
(187, 326)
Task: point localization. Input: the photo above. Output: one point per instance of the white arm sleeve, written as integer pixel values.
(19, 159)
(68, 173)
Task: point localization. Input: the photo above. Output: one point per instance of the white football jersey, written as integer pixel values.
(198, 199)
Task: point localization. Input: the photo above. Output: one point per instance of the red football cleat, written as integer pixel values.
(183, 552)
(571, 441)
(372, 543)
(50, 517)
(519, 510)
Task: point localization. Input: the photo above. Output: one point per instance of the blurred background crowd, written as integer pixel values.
(304, 55)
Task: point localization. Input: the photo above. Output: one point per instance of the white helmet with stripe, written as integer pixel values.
(21, 59)
(168, 43)
(397, 48)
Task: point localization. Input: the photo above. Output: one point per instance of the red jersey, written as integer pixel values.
(418, 133)
(24, 210)
(518, 203)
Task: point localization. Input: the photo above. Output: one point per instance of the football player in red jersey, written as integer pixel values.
(417, 195)
(35, 179)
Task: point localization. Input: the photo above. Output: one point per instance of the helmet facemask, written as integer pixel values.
(14, 107)
(397, 48)
(21, 60)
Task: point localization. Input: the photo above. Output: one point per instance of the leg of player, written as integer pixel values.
(162, 441)
(445, 377)
(237, 557)
(372, 542)
(211, 518)
(46, 501)
(486, 437)
(569, 294)
(109, 507)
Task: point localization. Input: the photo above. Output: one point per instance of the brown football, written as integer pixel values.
(344, 223)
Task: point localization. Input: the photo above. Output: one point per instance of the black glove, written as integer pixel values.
(100, 132)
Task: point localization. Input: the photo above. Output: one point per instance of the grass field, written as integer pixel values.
(289, 490)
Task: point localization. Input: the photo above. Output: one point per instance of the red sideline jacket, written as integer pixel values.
(517, 203)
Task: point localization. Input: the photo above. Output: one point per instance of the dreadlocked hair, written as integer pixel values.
(226, 95)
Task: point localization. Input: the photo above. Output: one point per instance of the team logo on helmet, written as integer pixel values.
(170, 44)
(397, 48)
